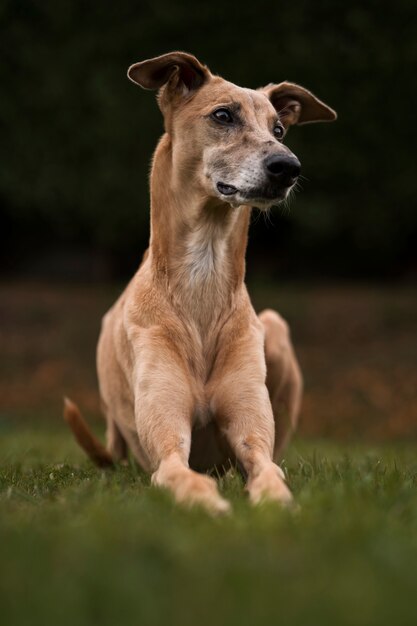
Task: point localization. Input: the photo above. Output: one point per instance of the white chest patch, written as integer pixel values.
(205, 257)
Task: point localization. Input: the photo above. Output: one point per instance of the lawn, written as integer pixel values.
(81, 546)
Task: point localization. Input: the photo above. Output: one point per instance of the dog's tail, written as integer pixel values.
(87, 440)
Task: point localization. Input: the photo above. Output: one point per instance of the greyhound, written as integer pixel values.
(190, 377)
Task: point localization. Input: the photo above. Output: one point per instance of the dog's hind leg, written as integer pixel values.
(284, 380)
(116, 443)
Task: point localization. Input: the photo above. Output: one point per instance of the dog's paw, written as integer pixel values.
(269, 485)
(192, 489)
(202, 491)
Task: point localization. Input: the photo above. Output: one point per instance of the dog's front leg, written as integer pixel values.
(243, 410)
(164, 407)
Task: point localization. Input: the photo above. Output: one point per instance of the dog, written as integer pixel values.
(190, 377)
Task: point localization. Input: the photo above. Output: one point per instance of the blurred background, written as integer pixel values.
(76, 138)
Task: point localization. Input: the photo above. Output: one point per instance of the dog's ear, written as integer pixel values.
(180, 72)
(296, 105)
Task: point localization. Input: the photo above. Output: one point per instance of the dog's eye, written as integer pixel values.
(222, 115)
(279, 131)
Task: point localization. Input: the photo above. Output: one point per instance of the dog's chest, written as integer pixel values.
(205, 257)
(205, 260)
(204, 277)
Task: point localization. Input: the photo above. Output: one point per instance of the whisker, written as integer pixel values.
(257, 216)
(267, 217)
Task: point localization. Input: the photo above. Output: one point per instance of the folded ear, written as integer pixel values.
(183, 71)
(296, 105)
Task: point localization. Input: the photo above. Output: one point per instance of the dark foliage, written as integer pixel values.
(77, 137)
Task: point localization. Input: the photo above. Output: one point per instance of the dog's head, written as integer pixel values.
(227, 139)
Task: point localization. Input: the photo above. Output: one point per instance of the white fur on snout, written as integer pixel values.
(246, 175)
(250, 174)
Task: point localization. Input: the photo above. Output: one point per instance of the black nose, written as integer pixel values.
(285, 168)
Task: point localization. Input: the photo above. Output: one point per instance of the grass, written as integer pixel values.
(81, 546)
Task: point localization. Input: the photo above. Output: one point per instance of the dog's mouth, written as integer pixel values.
(226, 190)
(268, 194)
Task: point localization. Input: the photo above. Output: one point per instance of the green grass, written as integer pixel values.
(81, 546)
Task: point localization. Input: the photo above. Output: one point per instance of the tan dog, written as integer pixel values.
(190, 376)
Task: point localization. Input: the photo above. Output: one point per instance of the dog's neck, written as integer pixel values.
(197, 245)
